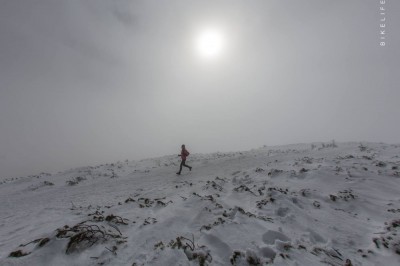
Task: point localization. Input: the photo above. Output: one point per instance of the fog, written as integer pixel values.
(89, 82)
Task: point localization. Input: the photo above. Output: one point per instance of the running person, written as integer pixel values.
(184, 154)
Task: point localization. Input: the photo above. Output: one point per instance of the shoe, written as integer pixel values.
(178, 173)
(190, 168)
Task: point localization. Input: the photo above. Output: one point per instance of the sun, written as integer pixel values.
(210, 43)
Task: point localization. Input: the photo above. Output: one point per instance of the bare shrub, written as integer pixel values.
(83, 235)
(75, 181)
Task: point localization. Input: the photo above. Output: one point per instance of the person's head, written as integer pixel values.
(183, 146)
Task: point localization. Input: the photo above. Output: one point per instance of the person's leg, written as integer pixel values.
(180, 168)
(184, 164)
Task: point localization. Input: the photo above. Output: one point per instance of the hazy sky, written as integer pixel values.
(88, 82)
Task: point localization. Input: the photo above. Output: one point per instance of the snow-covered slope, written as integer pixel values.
(288, 205)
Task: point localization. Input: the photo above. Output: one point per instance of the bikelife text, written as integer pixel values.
(382, 23)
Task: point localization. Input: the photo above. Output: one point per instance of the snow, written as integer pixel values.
(285, 205)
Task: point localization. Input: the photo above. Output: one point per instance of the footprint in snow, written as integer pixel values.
(315, 237)
(270, 236)
(282, 212)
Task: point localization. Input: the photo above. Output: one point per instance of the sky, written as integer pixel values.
(96, 81)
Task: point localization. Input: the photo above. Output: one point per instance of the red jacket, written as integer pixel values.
(184, 154)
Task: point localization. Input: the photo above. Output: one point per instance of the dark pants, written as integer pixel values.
(183, 163)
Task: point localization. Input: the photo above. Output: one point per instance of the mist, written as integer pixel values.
(89, 82)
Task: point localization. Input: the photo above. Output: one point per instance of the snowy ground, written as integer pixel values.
(287, 205)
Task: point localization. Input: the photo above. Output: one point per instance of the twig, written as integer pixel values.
(190, 241)
(115, 227)
(337, 251)
(112, 251)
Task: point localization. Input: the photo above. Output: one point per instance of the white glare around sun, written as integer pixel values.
(210, 43)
